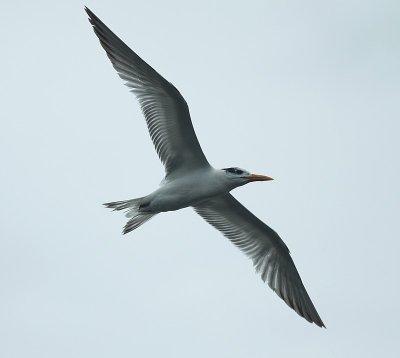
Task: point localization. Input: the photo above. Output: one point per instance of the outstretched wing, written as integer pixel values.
(263, 245)
(166, 111)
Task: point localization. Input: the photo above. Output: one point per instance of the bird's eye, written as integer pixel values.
(234, 171)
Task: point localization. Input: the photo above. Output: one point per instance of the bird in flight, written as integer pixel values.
(191, 181)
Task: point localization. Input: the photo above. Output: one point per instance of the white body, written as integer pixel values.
(187, 190)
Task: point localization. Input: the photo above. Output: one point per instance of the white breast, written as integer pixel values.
(187, 190)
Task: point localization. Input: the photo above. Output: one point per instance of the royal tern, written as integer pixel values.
(191, 181)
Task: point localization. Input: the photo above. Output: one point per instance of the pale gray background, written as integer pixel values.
(304, 91)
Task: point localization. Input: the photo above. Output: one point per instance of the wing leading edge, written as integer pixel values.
(263, 245)
(166, 111)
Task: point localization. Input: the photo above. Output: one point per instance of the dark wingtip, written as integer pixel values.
(319, 322)
(92, 17)
(88, 11)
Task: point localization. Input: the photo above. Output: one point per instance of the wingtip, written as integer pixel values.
(318, 322)
(92, 15)
(87, 10)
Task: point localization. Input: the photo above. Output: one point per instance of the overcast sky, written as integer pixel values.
(307, 92)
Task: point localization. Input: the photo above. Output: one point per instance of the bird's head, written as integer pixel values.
(237, 176)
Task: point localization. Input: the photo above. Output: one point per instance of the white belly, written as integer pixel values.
(186, 191)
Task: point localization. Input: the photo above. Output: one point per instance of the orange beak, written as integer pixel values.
(256, 177)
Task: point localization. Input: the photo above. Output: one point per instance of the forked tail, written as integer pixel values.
(132, 211)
